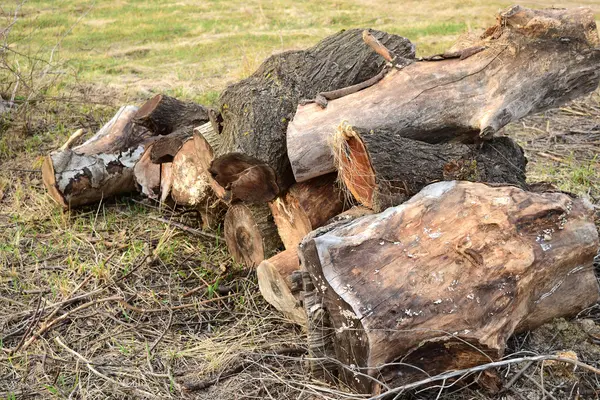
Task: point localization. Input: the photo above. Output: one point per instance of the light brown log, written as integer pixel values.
(250, 233)
(441, 281)
(191, 187)
(207, 141)
(280, 283)
(99, 168)
(531, 60)
(306, 206)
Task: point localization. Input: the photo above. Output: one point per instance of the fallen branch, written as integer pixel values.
(186, 228)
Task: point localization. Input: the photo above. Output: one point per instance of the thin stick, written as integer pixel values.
(186, 228)
(483, 367)
(179, 307)
(69, 143)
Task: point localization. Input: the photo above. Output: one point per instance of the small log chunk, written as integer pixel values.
(99, 168)
(250, 233)
(163, 115)
(190, 186)
(256, 111)
(280, 283)
(441, 281)
(383, 169)
(531, 60)
(306, 206)
(165, 148)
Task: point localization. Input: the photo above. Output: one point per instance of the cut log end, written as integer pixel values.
(205, 141)
(250, 233)
(354, 165)
(245, 177)
(305, 207)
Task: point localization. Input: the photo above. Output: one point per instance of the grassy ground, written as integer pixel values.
(105, 302)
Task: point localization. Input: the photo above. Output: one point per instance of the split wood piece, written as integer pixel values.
(99, 168)
(533, 60)
(150, 180)
(250, 233)
(165, 148)
(252, 162)
(163, 115)
(280, 283)
(207, 141)
(383, 169)
(190, 186)
(306, 206)
(441, 281)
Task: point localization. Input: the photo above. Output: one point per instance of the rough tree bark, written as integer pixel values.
(250, 233)
(306, 206)
(531, 60)
(99, 168)
(172, 118)
(280, 283)
(256, 110)
(443, 280)
(382, 169)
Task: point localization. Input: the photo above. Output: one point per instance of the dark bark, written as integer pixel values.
(256, 111)
(441, 281)
(382, 169)
(163, 115)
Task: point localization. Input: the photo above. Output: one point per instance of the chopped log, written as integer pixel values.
(190, 186)
(163, 115)
(250, 233)
(99, 168)
(256, 110)
(280, 283)
(306, 206)
(531, 60)
(382, 169)
(165, 148)
(207, 140)
(441, 281)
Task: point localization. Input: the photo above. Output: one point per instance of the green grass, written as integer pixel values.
(157, 45)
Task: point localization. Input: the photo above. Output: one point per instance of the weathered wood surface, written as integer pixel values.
(207, 141)
(306, 206)
(99, 168)
(256, 111)
(250, 233)
(191, 187)
(532, 60)
(280, 283)
(382, 169)
(441, 281)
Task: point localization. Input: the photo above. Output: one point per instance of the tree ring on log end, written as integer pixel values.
(354, 165)
(246, 177)
(242, 235)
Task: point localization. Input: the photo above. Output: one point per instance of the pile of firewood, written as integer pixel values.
(413, 243)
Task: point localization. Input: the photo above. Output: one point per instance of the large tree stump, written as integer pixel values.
(306, 206)
(256, 111)
(99, 168)
(441, 281)
(250, 233)
(382, 169)
(280, 283)
(531, 60)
